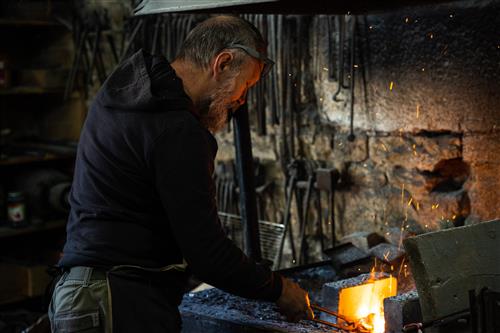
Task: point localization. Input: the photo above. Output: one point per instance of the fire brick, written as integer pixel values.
(388, 253)
(331, 293)
(363, 240)
(401, 310)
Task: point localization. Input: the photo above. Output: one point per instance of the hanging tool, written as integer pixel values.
(305, 218)
(82, 37)
(351, 135)
(131, 39)
(293, 177)
(331, 62)
(326, 180)
(156, 33)
(340, 68)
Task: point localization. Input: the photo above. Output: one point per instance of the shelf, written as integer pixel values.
(31, 91)
(29, 23)
(20, 160)
(50, 225)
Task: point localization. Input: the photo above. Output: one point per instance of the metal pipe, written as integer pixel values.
(245, 172)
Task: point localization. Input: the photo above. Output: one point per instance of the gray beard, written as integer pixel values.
(214, 111)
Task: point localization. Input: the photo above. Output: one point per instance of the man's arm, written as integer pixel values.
(183, 165)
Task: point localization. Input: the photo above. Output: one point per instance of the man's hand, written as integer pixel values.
(294, 302)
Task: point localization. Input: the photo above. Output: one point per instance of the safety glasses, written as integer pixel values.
(268, 63)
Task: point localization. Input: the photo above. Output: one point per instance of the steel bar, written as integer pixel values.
(245, 175)
(332, 313)
(324, 322)
(351, 136)
(340, 70)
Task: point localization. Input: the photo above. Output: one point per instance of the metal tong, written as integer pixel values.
(347, 325)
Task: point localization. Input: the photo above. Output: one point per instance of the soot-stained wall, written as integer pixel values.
(426, 151)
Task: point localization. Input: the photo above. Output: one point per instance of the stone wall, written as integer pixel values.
(426, 150)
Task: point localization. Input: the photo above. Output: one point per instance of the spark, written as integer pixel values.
(325, 69)
(423, 69)
(418, 206)
(410, 201)
(402, 194)
(401, 267)
(453, 217)
(451, 15)
(418, 111)
(431, 35)
(384, 147)
(370, 27)
(356, 66)
(407, 19)
(391, 86)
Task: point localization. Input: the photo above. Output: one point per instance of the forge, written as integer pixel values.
(452, 296)
(360, 300)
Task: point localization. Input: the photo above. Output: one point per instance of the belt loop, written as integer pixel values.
(87, 274)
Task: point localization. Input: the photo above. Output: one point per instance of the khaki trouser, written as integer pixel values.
(145, 298)
(80, 302)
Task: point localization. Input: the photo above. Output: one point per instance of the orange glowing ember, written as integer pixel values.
(364, 303)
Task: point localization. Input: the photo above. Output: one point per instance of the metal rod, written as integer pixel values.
(245, 172)
(340, 70)
(331, 313)
(327, 323)
(351, 136)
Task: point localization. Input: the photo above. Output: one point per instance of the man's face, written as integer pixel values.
(229, 93)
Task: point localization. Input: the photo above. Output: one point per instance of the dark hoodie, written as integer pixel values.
(143, 192)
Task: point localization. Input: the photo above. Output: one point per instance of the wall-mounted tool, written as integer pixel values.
(326, 181)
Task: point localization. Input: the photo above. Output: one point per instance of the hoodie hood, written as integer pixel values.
(143, 83)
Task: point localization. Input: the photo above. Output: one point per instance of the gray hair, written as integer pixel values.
(211, 36)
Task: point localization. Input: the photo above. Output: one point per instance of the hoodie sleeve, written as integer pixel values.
(183, 165)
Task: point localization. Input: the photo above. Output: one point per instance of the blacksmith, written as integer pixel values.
(143, 213)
